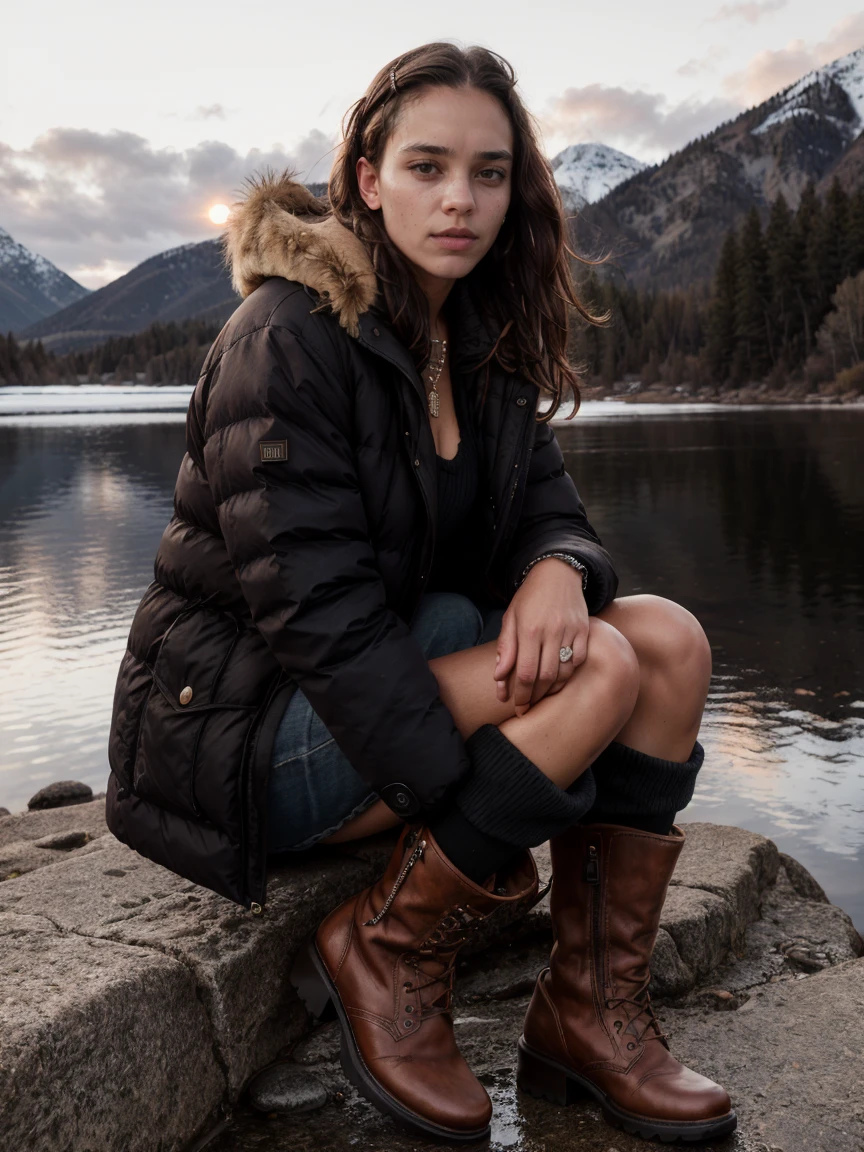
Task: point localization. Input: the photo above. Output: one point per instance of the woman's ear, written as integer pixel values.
(367, 182)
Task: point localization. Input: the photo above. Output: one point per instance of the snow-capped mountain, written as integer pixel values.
(669, 221)
(31, 287)
(585, 173)
(813, 95)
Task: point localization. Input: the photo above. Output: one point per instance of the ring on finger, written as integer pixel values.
(565, 653)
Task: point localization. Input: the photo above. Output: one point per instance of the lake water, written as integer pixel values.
(751, 518)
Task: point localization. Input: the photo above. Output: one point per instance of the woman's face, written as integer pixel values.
(443, 182)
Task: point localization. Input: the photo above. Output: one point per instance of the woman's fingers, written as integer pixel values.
(506, 656)
(550, 668)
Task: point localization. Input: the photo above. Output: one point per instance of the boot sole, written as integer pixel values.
(544, 1078)
(317, 991)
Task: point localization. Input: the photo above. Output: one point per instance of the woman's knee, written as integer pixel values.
(611, 658)
(666, 637)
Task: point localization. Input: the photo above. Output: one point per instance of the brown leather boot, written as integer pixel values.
(590, 1026)
(386, 960)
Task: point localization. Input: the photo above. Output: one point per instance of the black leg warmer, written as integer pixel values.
(641, 791)
(505, 804)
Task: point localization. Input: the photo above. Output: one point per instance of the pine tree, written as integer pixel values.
(753, 347)
(721, 318)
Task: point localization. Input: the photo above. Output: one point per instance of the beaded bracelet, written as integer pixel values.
(571, 560)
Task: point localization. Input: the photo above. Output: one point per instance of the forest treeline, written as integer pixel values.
(161, 354)
(786, 306)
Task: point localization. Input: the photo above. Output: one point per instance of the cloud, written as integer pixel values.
(209, 112)
(751, 12)
(95, 202)
(771, 71)
(636, 122)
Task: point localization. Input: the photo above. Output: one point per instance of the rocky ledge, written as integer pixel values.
(140, 1012)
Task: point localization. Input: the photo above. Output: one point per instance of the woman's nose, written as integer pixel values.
(458, 197)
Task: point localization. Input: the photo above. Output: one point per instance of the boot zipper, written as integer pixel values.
(400, 880)
(592, 877)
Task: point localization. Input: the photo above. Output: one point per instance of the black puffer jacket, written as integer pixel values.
(303, 533)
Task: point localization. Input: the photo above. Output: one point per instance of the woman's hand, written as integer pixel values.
(547, 612)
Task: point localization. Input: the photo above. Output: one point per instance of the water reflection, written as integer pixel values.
(754, 520)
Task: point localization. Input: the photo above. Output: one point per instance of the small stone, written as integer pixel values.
(285, 1088)
(61, 794)
(804, 692)
(64, 841)
(5, 812)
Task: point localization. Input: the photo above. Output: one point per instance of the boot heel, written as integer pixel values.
(310, 984)
(545, 1081)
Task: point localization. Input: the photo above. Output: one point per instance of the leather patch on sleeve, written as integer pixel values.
(273, 450)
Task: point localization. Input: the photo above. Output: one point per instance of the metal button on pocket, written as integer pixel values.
(186, 695)
(521, 401)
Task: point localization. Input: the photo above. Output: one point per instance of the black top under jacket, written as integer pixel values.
(302, 539)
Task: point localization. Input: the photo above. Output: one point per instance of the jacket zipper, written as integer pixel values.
(400, 880)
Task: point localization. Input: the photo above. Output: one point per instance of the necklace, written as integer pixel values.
(434, 369)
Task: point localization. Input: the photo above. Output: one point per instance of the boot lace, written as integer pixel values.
(448, 936)
(641, 1001)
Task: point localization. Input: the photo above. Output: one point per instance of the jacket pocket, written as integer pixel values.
(186, 708)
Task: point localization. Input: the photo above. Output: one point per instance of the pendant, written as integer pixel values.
(434, 402)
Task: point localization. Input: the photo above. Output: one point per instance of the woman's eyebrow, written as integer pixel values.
(441, 150)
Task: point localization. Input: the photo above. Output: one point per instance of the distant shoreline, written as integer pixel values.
(29, 401)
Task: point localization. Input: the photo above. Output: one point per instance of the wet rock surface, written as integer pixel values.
(114, 971)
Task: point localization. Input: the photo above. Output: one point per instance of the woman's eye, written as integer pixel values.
(493, 174)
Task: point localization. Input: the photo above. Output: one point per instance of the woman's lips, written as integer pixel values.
(454, 243)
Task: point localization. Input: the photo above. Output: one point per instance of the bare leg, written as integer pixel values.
(562, 733)
(674, 673)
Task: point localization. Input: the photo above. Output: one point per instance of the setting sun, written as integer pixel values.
(219, 213)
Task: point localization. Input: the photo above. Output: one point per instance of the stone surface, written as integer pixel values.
(86, 1026)
(26, 838)
(61, 794)
(792, 1063)
(285, 1088)
(240, 962)
(5, 812)
(242, 1014)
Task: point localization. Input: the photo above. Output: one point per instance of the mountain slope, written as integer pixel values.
(181, 284)
(31, 287)
(667, 223)
(587, 172)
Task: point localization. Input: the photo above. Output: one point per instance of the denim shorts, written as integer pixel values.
(312, 789)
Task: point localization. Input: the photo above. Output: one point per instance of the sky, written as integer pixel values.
(122, 125)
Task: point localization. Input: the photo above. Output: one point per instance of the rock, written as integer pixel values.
(322, 1044)
(285, 1088)
(239, 962)
(85, 1022)
(102, 895)
(731, 863)
(702, 925)
(24, 838)
(792, 1059)
(64, 841)
(61, 794)
(670, 976)
(801, 880)
(33, 825)
(5, 812)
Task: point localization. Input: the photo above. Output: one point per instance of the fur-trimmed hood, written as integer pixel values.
(278, 229)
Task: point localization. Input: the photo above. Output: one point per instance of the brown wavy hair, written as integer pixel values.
(524, 283)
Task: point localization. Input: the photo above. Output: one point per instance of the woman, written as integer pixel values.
(367, 496)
